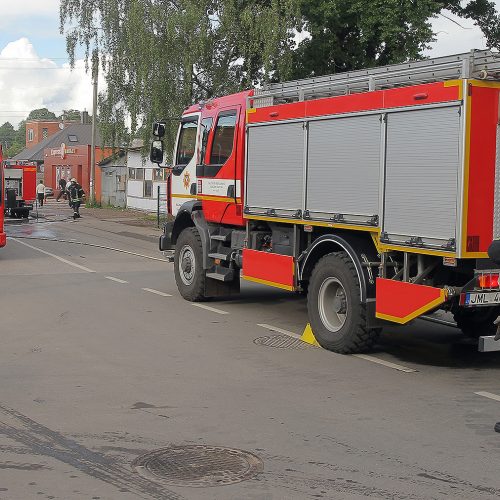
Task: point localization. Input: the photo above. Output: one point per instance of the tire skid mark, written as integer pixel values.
(43, 441)
(396, 479)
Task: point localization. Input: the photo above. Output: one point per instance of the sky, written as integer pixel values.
(34, 69)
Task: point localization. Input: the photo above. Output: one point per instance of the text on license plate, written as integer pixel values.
(482, 298)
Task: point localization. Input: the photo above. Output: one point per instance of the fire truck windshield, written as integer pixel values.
(187, 141)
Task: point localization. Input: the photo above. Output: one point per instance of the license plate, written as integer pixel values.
(481, 298)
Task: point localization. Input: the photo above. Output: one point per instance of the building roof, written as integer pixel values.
(136, 144)
(118, 159)
(77, 134)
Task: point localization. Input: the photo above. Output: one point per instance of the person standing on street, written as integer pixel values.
(40, 193)
(62, 188)
(75, 194)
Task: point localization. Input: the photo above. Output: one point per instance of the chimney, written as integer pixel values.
(85, 117)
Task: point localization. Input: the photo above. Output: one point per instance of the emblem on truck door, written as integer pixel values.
(186, 180)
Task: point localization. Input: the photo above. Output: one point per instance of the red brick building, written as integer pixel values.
(67, 154)
(38, 130)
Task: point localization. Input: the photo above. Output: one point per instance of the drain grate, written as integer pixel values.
(198, 465)
(281, 342)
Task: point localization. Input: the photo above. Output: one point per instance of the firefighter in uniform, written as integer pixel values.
(75, 194)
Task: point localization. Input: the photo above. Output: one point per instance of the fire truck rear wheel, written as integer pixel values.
(336, 314)
(188, 265)
(477, 322)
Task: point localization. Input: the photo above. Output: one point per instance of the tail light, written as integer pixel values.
(489, 280)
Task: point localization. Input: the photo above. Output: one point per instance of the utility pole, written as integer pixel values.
(95, 72)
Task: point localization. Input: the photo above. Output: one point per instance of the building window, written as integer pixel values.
(160, 174)
(131, 173)
(45, 133)
(148, 189)
(139, 174)
(72, 138)
(30, 134)
(120, 183)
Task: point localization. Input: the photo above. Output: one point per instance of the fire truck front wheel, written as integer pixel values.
(336, 314)
(188, 265)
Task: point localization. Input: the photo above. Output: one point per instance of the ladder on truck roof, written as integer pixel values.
(480, 64)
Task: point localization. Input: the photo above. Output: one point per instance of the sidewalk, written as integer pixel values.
(124, 216)
(121, 228)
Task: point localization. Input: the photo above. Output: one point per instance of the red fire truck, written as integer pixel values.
(377, 192)
(19, 188)
(3, 238)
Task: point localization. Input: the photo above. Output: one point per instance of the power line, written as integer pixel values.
(41, 58)
(31, 69)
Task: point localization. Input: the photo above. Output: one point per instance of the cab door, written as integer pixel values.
(217, 183)
(183, 179)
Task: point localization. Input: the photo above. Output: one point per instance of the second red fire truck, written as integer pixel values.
(377, 192)
(19, 187)
(3, 238)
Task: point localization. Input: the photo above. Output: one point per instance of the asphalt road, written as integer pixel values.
(101, 362)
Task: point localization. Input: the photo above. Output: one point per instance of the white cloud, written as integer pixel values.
(29, 82)
(21, 9)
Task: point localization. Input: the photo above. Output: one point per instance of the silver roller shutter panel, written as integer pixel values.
(344, 165)
(275, 166)
(422, 163)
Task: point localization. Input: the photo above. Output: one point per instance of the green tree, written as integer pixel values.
(41, 114)
(7, 135)
(162, 55)
(354, 34)
(21, 134)
(70, 115)
(158, 56)
(14, 149)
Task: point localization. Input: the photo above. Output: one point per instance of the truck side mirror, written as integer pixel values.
(156, 152)
(159, 129)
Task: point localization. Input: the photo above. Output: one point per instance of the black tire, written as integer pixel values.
(189, 255)
(338, 332)
(478, 321)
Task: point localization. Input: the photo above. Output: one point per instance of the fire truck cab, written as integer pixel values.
(377, 192)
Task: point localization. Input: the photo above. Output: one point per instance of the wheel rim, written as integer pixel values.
(333, 305)
(187, 265)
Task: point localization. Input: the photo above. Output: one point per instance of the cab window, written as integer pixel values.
(206, 125)
(187, 141)
(222, 145)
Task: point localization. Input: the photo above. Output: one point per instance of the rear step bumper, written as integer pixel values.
(488, 344)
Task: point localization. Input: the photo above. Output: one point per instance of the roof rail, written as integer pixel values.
(480, 64)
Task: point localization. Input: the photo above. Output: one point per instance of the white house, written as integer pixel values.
(144, 179)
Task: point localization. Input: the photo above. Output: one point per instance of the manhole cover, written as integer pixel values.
(198, 465)
(281, 342)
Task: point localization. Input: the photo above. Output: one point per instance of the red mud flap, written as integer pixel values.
(400, 302)
(269, 269)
